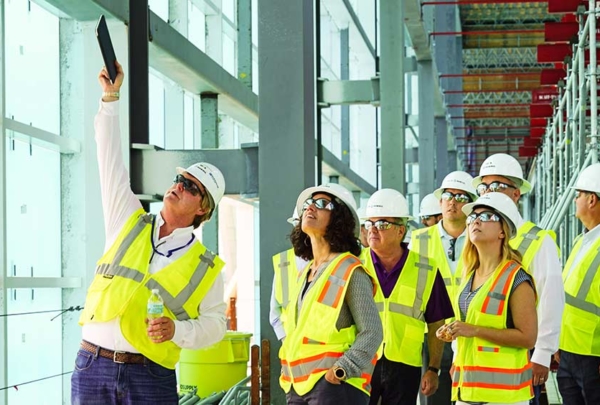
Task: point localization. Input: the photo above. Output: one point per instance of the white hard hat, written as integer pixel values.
(293, 220)
(387, 202)
(336, 190)
(361, 214)
(430, 205)
(589, 179)
(211, 178)
(458, 180)
(500, 203)
(501, 164)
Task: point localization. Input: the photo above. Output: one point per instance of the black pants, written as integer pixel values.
(395, 383)
(325, 393)
(443, 394)
(579, 379)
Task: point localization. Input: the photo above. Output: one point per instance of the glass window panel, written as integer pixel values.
(34, 346)
(160, 8)
(32, 97)
(228, 9)
(188, 125)
(156, 93)
(196, 27)
(33, 212)
(229, 55)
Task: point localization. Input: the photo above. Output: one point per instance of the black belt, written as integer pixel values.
(114, 355)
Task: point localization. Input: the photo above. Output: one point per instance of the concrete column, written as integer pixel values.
(210, 139)
(345, 109)
(244, 42)
(426, 129)
(441, 151)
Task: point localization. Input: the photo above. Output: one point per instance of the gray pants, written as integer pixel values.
(443, 394)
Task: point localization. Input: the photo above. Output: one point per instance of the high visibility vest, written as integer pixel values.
(484, 371)
(428, 242)
(313, 343)
(403, 312)
(528, 242)
(122, 285)
(580, 330)
(285, 279)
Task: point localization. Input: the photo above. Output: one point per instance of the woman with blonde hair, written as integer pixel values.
(496, 320)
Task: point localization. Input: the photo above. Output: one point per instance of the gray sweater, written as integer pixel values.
(358, 309)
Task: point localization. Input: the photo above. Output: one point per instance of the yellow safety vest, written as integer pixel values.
(122, 286)
(484, 371)
(285, 279)
(313, 343)
(428, 242)
(528, 242)
(403, 312)
(580, 330)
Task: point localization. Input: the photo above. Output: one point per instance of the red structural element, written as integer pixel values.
(540, 110)
(552, 76)
(486, 91)
(549, 53)
(487, 106)
(493, 128)
(506, 74)
(560, 31)
(486, 32)
(532, 142)
(459, 2)
(544, 95)
(563, 6)
(525, 151)
(537, 132)
(538, 122)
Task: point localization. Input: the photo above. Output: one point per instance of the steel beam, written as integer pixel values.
(392, 95)
(156, 168)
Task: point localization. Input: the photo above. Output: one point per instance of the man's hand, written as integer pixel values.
(540, 374)
(105, 83)
(429, 383)
(160, 329)
(331, 378)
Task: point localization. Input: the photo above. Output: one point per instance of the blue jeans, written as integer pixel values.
(578, 379)
(100, 381)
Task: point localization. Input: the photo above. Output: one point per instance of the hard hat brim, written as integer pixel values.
(524, 188)
(309, 192)
(467, 209)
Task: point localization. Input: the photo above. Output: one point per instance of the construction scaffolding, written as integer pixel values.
(570, 142)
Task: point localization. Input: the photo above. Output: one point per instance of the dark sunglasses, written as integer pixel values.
(188, 185)
(381, 225)
(451, 250)
(426, 217)
(484, 216)
(320, 203)
(494, 186)
(459, 198)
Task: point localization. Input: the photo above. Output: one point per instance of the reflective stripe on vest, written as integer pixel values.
(334, 286)
(493, 378)
(424, 239)
(579, 301)
(528, 238)
(284, 266)
(414, 311)
(174, 303)
(496, 298)
(302, 369)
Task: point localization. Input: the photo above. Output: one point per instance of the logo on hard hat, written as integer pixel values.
(488, 165)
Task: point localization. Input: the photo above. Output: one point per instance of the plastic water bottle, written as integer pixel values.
(155, 305)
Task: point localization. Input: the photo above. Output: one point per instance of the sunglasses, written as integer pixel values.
(494, 186)
(459, 198)
(188, 185)
(381, 225)
(426, 217)
(320, 203)
(484, 216)
(451, 250)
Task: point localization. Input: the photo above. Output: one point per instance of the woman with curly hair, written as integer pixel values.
(333, 329)
(496, 320)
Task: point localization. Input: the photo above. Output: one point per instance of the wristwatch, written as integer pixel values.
(340, 373)
(434, 369)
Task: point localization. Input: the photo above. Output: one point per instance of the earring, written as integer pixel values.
(306, 244)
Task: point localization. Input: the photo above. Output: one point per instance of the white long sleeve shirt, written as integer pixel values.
(275, 312)
(119, 203)
(547, 274)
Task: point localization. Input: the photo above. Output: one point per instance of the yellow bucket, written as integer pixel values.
(215, 368)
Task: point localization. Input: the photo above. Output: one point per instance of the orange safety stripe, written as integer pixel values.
(346, 265)
(308, 341)
(312, 358)
(494, 290)
(488, 349)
